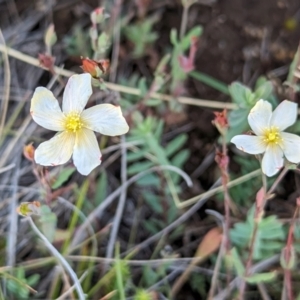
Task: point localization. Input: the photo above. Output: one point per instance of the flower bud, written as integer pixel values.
(288, 258)
(50, 37)
(95, 68)
(28, 152)
(97, 15)
(103, 42)
(221, 121)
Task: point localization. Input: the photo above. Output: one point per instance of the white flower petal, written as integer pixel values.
(272, 161)
(56, 151)
(87, 155)
(77, 93)
(260, 116)
(106, 119)
(291, 147)
(249, 144)
(284, 115)
(45, 110)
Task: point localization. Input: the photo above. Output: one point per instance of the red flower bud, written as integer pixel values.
(28, 152)
(95, 68)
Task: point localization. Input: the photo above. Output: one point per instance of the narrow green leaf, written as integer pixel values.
(101, 188)
(264, 91)
(173, 36)
(139, 167)
(62, 177)
(149, 180)
(293, 67)
(239, 94)
(210, 81)
(180, 158)
(186, 41)
(236, 261)
(175, 144)
(139, 154)
(262, 277)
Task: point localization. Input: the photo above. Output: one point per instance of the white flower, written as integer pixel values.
(75, 126)
(270, 138)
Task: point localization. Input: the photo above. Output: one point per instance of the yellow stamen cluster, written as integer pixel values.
(272, 136)
(73, 122)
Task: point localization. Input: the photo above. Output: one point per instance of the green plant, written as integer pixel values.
(18, 286)
(141, 35)
(269, 237)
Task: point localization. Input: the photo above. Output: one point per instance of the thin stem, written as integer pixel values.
(278, 179)
(60, 258)
(119, 273)
(184, 19)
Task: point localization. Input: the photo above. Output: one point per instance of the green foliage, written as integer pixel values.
(18, 285)
(151, 153)
(101, 188)
(76, 44)
(47, 222)
(128, 100)
(63, 176)
(261, 277)
(122, 267)
(142, 295)
(149, 131)
(245, 98)
(179, 47)
(269, 238)
(243, 193)
(152, 275)
(233, 260)
(198, 284)
(141, 35)
(210, 81)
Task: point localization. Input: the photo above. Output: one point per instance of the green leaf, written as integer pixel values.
(173, 36)
(264, 91)
(33, 279)
(154, 202)
(63, 177)
(180, 158)
(139, 154)
(175, 144)
(262, 277)
(293, 67)
(210, 81)
(139, 167)
(239, 94)
(153, 102)
(101, 188)
(186, 41)
(236, 262)
(149, 180)
(238, 123)
(269, 236)
(150, 226)
(48, 221)
(159, 129)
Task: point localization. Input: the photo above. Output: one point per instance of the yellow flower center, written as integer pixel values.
(272, 136)
(73, 122)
